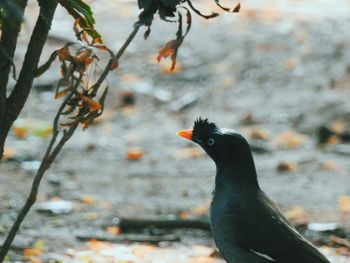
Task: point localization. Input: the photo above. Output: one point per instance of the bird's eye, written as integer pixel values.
(210, 141)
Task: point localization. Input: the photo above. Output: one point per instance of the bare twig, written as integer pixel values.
(55, 146)
(133, 223)
(153, 239)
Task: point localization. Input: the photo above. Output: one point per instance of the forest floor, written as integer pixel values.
(276, 72)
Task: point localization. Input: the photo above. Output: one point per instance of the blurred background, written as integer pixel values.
(277, 71)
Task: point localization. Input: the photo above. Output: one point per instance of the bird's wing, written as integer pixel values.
(268, 232)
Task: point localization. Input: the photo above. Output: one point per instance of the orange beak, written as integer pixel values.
(186, 134)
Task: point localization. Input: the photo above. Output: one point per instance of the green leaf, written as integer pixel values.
(82, 11)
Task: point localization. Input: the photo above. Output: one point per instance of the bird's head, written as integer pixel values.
(222, 145)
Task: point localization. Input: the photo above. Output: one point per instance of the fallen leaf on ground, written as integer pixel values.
(259, 134)
(135, 154)
(285, 166)
(20, 132)
(88, 200)
(8, 153)
(296, 214)
(344, 203)
(114, 230)
(329, 166)
(338, 126)
(34, 252)
(290, 139)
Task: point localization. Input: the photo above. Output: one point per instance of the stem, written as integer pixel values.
(10, 30)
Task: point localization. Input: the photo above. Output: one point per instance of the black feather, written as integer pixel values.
(202, 127)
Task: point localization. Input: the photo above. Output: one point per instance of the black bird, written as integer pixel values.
(246, 224)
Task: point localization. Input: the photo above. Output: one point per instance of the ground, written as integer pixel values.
(276, 72)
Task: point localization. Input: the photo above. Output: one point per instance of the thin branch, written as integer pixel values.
(113, 62)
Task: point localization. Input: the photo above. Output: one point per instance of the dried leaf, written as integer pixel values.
(290, 139)
(63, 54)
(134, 154)
(84, 57)
(8, 153)
(84, 37)
(201, 210)
(259, 134)
(88, 200)
(94, 105)
(63, 93)
(20, 132)
(285, 166)
(35, 251)
(203, 251)
(333, 139)
(114, 230)
(338, 126)
(329, 166)
(296, 214)
(344, 203)
(171, 47)
(291, 63)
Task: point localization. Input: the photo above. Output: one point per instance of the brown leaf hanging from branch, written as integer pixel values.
(172, 46)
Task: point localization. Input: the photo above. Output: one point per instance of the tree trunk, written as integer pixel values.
(10, 30)
(15, 102)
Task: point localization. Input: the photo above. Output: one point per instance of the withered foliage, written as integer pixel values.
(167, 11)
(83, 100)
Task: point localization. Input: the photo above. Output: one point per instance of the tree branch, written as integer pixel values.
(19, 95)
(10, 30)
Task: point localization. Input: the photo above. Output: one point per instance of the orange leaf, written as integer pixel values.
(63, 53)
(290, 139)
(344, 204)
(114, 230)
(329, 166)
(84, 37)
(134, 154)
(62, 93)
(94, 105)
(259, 134)
(32, 252)
(20, 132)
(168, 50)
(101, 47)
(8, 153)
(296, 214)
(97, 40)
(286, 166)
(83, 56)
(88, 200)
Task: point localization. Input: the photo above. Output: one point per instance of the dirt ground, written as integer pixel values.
(275, 71)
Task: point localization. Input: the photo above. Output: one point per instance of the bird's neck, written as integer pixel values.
(236, 173)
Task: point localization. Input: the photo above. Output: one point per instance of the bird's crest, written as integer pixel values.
(202, 127)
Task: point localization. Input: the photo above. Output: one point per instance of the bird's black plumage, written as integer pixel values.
(247, 226)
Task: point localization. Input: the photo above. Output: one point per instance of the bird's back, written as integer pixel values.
(246, 221)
